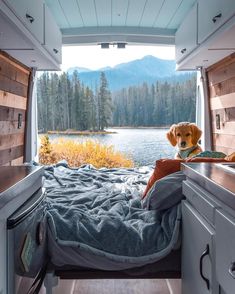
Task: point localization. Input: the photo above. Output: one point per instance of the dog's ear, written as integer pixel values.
(171, 135)
(196, 134)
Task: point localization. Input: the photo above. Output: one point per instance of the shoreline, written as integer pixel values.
(141, 127)
(91, 133)
(79, 133)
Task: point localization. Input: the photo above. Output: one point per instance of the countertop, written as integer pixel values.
(215, 179)
(17, 185)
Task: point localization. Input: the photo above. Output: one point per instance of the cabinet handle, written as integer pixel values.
(204, 253)
(30, 18)
(214, 19)
(55, 50)
(231, 269)
(183, 50)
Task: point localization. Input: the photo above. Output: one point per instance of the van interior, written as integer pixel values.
(199, 232)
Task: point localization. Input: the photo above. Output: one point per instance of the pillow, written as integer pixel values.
(162, 168)
(165, 167)
(165, 192)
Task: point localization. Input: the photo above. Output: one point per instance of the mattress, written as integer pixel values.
(96, 219)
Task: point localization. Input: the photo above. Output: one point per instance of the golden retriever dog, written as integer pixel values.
(230, 157)
(186, 136)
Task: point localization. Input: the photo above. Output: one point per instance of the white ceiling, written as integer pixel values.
(131, 21)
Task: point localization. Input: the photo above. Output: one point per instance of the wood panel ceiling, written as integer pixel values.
(133, 21)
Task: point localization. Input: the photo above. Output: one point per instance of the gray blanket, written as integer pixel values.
(99, 211)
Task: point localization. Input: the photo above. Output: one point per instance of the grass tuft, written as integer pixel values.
(76, 153)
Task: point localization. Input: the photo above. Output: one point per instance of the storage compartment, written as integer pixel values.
(30, 13)
(186, 35)
(212, 14)
(53, 38)
(197, 253)
(201, 200)
(27, 245)
(225, 251)
(27, 36)
(215, 32)
(15, 41)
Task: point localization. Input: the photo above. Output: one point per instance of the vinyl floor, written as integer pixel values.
(150, 286)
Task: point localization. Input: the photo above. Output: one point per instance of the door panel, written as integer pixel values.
(196, 252)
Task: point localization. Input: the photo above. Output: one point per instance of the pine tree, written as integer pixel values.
(104, 103)
(43, 93)
(77, 111)
(54, 80)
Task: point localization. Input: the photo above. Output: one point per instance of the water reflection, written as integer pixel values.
(144, 146)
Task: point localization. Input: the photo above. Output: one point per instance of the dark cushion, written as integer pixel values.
(165, 192)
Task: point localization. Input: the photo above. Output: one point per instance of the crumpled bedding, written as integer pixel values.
(97, 214)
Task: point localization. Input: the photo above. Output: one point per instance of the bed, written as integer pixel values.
(98, 226)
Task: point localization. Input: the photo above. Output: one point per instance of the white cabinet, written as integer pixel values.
(29, 33)
(212, 14)
(186, 35)
(215, 31)
(30, 13)
(197, 253)
(225, 251)
(16, 41)
(53, 38)
(208, 219)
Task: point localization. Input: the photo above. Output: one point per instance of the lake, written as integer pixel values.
(143, 146)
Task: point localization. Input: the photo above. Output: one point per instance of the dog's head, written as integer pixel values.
(184, 134)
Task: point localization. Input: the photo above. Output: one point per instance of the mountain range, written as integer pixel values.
(149, 69)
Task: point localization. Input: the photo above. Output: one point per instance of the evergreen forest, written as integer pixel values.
(159, 104)
(66, 103)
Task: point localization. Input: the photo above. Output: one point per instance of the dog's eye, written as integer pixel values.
(188, 134)
(178, 134)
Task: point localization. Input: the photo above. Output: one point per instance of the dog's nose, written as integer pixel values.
(183, 144)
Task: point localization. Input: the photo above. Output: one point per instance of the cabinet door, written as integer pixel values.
(186, 35)
(30, 13)
(197, 253)
(211, 15)
(10, 37)
(225, 251)
(53, 38)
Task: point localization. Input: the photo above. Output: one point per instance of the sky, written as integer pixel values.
(93, 57)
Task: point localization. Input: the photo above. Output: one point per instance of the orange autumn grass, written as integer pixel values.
(77, 154)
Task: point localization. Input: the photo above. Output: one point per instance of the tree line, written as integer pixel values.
(159, 104)
(66, 103)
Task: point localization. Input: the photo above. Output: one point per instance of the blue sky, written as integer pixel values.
(93, 57)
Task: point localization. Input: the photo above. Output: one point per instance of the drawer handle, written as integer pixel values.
(183, 50)
(214, 19)
(204, 253)
(55, 50)
(30, 18)
(232, 269)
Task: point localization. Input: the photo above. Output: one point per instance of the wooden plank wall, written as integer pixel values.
(221, 77)
(14, 81)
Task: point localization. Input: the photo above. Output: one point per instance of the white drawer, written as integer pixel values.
(225, 251)
(201, 200)
(30, 12)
